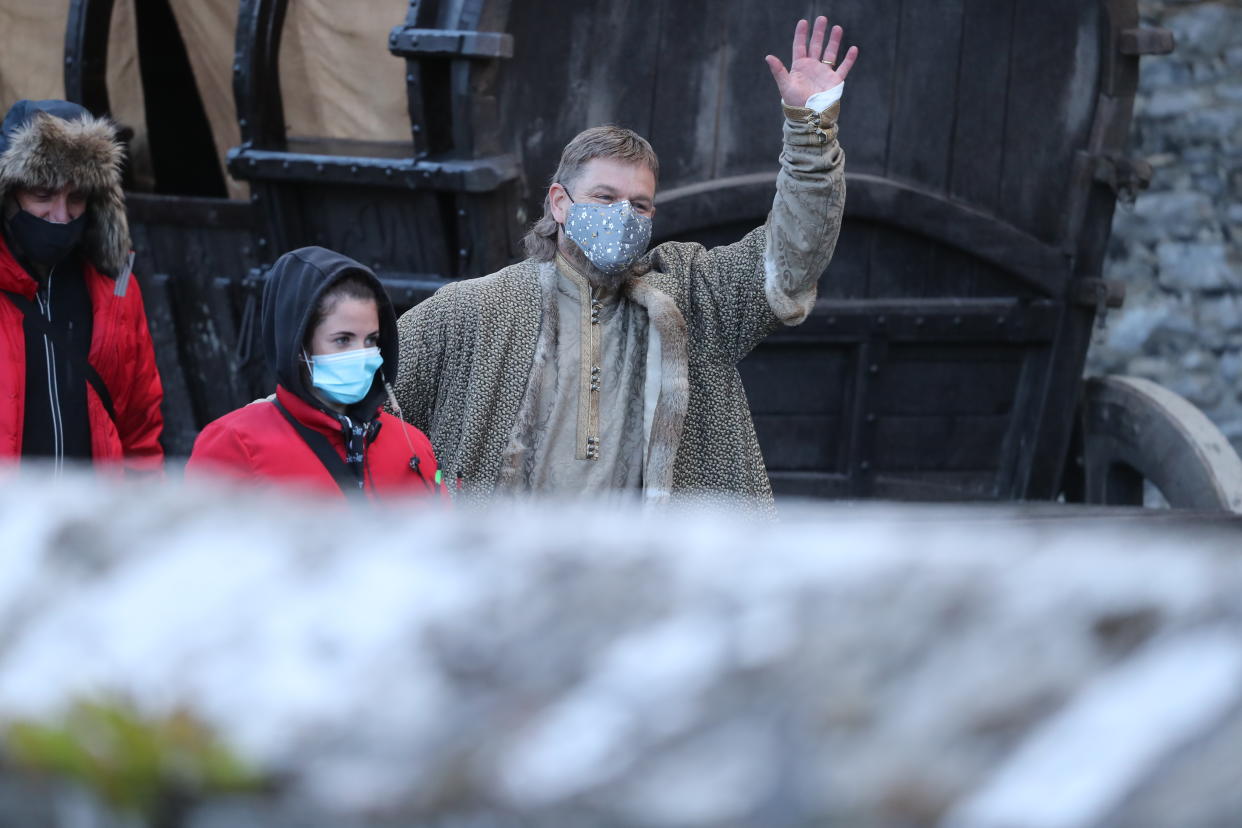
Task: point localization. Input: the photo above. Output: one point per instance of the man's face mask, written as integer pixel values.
(612, 236)
(45, 242)
(346, 377)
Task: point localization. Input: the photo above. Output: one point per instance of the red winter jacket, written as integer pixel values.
(257, 443)
(121, 352)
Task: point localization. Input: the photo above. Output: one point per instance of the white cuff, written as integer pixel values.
(822, 100)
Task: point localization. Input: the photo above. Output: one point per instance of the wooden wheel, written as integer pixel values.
(1135, 430)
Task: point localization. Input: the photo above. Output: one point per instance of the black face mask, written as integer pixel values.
(44, 242)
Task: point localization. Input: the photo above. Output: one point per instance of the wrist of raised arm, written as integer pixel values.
(806, 127)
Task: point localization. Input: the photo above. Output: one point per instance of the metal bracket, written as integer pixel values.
(449, 43)
(1146, 41)
(1101, 294)
(1098, 293)
(1124, 176)
(478, 175)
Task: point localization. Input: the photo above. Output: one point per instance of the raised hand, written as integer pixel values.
(810, 69)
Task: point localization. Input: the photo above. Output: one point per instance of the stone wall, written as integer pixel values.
(590, 665)
(1179, 248)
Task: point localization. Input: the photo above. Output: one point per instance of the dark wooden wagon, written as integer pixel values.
(986, 145)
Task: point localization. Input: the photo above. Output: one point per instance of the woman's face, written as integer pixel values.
(352, 324)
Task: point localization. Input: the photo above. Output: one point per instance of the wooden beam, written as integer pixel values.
(86, 54)
(883, 201)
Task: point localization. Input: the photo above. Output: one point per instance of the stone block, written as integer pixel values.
(1169, 215)
(1217, 127)
(1195, 266)
(1170, 103)
(1231, 369)
(1205, 30)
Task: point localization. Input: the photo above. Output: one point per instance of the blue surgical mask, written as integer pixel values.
(612, 236)
(346, 377)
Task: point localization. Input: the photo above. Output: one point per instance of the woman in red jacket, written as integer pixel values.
(330, 336)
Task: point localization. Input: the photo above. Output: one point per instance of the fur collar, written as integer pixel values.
(667, 321)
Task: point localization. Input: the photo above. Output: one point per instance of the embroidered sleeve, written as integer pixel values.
(739, 293)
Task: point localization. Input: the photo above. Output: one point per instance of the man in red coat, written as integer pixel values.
(78, 380)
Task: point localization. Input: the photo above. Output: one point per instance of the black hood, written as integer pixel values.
(294, 286)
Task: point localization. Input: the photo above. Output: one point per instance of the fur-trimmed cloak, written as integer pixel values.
(472, 355)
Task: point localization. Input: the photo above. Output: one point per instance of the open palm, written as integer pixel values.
(810, 68)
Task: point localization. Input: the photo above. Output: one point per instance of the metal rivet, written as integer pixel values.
(319, 168)
(864, 465)
(409, 78)
(957, 320)
(832, 320)
(873, 368)
(462, 252)
(353, 169)
(918, 321)
(461, 213)
(871, 418)
(880, 320)
(388, 172)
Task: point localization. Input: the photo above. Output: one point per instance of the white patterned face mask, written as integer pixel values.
(612, 236)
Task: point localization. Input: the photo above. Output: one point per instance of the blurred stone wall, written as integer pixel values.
(1179, 248)
(586, 664)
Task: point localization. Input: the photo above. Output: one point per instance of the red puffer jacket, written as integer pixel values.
(257, 443)
(121, 352)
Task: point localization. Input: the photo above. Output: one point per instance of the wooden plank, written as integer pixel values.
(899, 263)
(747, 134)
(848, 272)
(563, 76)
(795, 379)
(1054, 67)
(980, 104)
(790, 485)
(800, 443)
(689, 73)
(926, 213)
(866, 119)
(180, 427)
(944, 486)
(380, 228)
(926, 80)
(939, 443)
(939, 379)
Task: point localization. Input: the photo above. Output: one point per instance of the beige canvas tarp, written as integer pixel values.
(337, 78)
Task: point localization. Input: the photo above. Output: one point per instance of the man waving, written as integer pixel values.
(597, 365)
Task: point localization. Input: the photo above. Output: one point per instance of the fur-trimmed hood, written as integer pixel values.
(49, 144)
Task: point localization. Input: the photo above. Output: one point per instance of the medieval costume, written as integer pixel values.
(530, 379)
